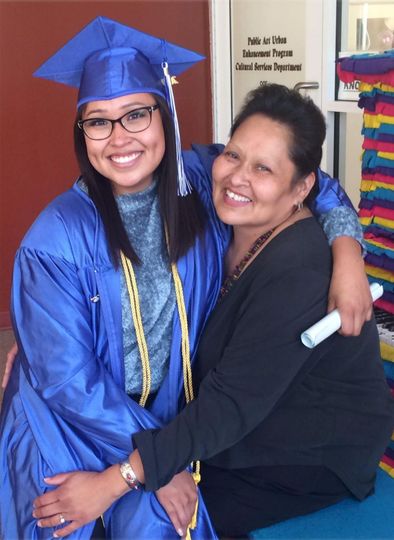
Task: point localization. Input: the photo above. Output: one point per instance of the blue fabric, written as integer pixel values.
(386, 194)
(107, 59)
(384, 128)
(377, 134)
(73, 383)
(377, 250)
(65, 407)
(349, 519)
(371, 160)
(341, 221)
(331, 195)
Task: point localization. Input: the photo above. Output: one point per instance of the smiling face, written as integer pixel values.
(252, 178)
(128, 160)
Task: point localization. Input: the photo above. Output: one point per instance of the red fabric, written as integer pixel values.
(388, 460)
(378, 177)
(383, 304)
(384, 241)
(386, 213)
(380, 146)
(384, 108)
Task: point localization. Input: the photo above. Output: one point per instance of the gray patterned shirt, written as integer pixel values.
(141, 219)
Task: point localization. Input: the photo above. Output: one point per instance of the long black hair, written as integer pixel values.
(183, 216)
(303, 119)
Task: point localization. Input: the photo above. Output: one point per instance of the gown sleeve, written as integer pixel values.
(67, 386)
(334, 210)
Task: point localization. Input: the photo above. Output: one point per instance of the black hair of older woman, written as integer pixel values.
(299, 114)
(183, 216)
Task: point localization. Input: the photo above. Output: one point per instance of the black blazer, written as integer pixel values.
(266, 399)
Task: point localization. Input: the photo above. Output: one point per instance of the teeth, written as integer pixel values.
(236, 197)
(125, 159)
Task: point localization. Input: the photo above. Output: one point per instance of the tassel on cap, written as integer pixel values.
(184, 187)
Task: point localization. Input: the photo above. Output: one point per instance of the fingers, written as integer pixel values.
(9, 363)
(57, 479)
(56, 520)
(352, 320)
(179, 525)
(45, 500)
(183, 513)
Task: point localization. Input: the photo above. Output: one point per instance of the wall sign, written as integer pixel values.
(268, 40)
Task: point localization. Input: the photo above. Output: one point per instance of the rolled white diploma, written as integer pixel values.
(331, 322)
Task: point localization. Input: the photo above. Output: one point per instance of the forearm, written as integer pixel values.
(347, 253)
(349, 288)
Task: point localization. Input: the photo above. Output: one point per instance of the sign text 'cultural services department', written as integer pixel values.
(268, 53)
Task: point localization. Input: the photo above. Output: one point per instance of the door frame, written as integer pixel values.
(324, 55)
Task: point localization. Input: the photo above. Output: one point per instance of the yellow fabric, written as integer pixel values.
(375, 120)
(371, 185)
(367, 220)
(386, 351)
(366, 87)
(389, 470)
(373, 271)
(386, 155)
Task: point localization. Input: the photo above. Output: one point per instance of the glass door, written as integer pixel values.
(254, 41)
(361, 27)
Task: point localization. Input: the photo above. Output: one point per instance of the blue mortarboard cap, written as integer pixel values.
(107, 59)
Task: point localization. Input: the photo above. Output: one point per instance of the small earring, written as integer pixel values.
(300, 206)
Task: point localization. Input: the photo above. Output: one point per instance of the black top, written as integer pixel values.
(266, 399)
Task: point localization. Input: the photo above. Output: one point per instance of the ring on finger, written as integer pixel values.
(62, 519)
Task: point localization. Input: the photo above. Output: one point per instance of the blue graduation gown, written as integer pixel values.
(65, 407)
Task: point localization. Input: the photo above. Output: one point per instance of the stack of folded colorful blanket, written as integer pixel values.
(376, 209)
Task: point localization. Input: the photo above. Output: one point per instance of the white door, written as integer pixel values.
(264, 40)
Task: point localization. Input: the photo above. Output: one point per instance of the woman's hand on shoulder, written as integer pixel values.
(179, 499)
(349, 289)
(80, 498)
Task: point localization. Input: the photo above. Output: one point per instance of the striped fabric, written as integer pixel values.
(376, 209)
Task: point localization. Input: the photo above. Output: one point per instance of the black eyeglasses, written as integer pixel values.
(133, 121)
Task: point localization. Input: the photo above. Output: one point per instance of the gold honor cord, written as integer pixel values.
(187, 372)
(132, 289)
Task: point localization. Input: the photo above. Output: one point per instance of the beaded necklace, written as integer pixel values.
(234, 275)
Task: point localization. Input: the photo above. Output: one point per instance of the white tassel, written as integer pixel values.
(184, 187)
